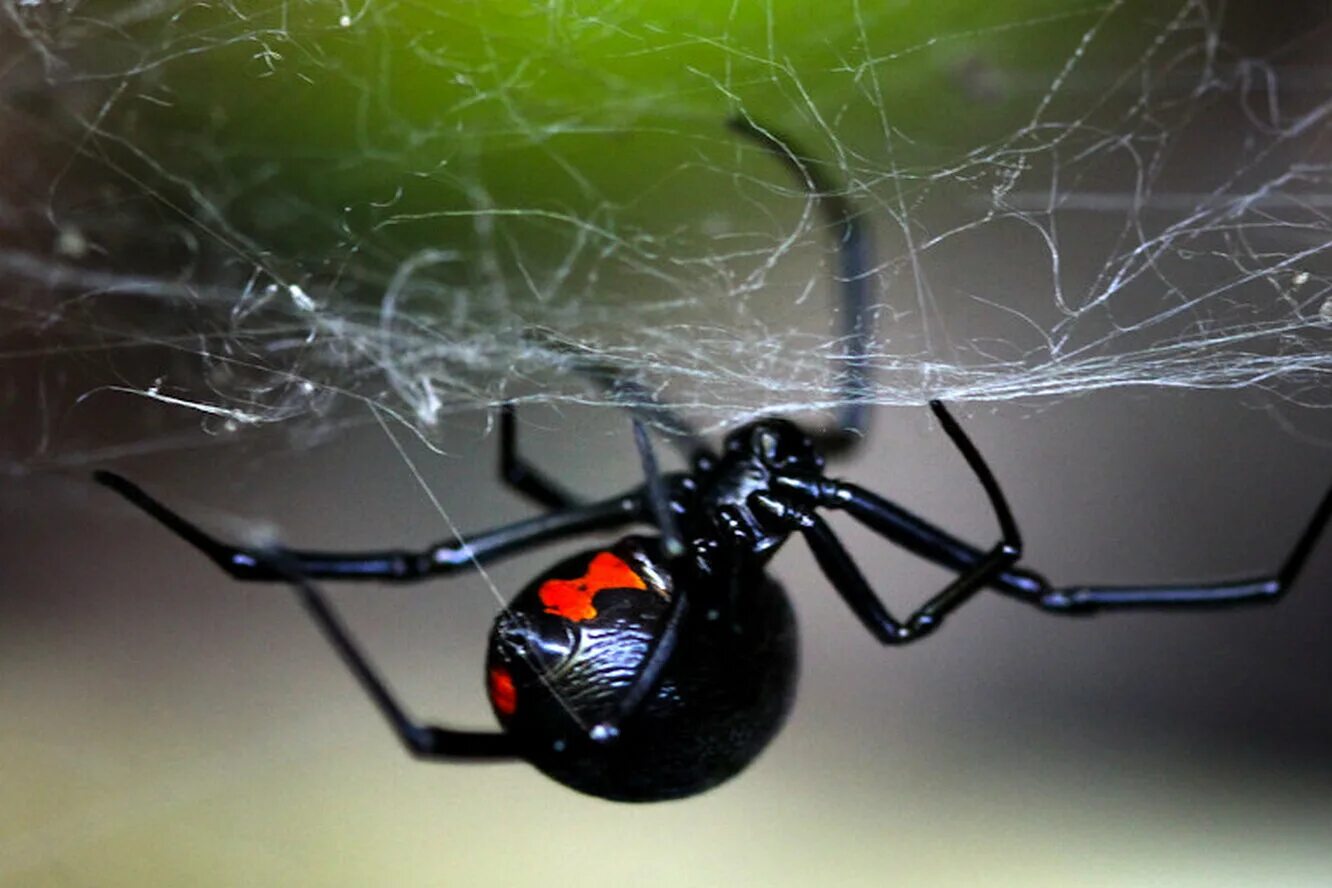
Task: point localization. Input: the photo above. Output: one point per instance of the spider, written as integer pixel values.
(661, 665)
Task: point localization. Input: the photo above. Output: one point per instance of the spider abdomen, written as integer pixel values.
(573, 642)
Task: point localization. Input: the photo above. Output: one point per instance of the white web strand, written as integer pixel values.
(456, 534)
(1082, 251)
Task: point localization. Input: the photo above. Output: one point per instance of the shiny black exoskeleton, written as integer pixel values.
(717, 703)
(659, 666)
(559, 671)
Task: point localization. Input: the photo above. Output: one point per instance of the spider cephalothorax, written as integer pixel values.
(730, 498)
(658, 666)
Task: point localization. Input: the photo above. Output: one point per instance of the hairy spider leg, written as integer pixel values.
(855, 261)
(850, 583)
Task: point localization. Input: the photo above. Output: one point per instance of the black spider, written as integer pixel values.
(659, 666)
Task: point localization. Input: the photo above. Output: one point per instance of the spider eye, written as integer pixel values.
(767, 445)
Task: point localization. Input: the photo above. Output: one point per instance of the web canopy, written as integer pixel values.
(300, 205)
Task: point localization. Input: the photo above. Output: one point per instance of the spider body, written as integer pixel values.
(658, 666)
(570, 647)
(562, 657)
(737, 509)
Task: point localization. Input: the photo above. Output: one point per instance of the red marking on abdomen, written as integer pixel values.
(572, 599)
(503, 695)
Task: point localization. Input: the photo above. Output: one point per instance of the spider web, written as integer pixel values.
(261, 213)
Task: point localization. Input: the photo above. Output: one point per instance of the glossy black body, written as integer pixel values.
(728, 682)
(728, 678)
(722, 697)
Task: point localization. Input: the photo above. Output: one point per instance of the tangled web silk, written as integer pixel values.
(1151, 210)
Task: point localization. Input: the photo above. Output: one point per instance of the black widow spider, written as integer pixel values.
(659, 666)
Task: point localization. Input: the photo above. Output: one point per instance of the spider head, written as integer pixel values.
(777, 444)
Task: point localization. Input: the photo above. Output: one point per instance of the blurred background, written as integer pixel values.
(162, 724)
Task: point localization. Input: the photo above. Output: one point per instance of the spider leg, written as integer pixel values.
(855, 262)
(663, 646)
(656, 493)
(643, 403)
(1082, 599)
(446, 557)
(850, 583)
(649, 675)
(922, 538)
(421, 740)
(522, 476)
(628, 393)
